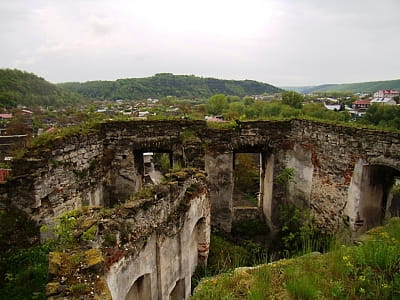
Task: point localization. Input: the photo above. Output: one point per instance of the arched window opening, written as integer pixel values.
(141, 289)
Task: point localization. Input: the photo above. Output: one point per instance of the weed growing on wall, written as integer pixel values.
(161, 162)
(66, 223)
(285, 177)
(188, 136)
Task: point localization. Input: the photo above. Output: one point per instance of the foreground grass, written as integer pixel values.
(370, 270)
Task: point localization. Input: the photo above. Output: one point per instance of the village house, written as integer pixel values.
(384, 101)
(4, 119)
(360, 106)
(386, 94)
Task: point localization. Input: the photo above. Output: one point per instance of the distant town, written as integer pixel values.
(18, 124)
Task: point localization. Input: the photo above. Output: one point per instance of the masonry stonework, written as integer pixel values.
(343, 174)
(106, 166)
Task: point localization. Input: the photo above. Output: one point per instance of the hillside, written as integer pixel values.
(167, 84)
(361, 87)
(367, 271)
(19, 87)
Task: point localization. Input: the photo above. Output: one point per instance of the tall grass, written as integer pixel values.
(370, 270)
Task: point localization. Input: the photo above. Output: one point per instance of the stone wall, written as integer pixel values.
(169, 257)
(147, 248)
(106, 166)
(64, 174)
(339, 156)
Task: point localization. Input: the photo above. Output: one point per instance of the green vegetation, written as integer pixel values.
(382, 116)
(216, 104)
(250, 228)
(45, 139)
(244, 246)
(166, 84)
(18, 87)
(162, 162)
(188, 136)
(361, 87)
(368, 271)
(90, 234)
(246, 176)
(298, 233)
(290, 107)
(23, 263)
(292, 99)
(285, 177)
(222, 125)
(226, 255)
(24, 273)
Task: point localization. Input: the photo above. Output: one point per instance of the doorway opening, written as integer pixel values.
(246, 174)
(155, 165)
(380, 196)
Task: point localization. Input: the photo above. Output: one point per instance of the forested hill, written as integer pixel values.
(361, 87)
(19, 87)
(167, 84)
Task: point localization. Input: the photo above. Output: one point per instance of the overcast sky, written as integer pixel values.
(282, 42)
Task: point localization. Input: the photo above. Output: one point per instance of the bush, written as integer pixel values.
(298, 233)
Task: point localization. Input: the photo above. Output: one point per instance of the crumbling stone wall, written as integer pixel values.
(335, 151)
(104, 167)
(62, 175)
(144, 248)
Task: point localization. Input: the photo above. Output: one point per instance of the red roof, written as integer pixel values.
(6, 116)
(3, 174)
(362, 102)
(390, 92)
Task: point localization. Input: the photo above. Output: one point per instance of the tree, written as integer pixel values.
(18, 125)
(386, 116)
(216, 104)
(248, 100)
(185, 107)
(292, 99)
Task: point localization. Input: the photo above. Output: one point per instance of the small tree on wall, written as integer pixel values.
(286, 177)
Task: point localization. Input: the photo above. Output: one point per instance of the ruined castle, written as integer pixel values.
(343, 174)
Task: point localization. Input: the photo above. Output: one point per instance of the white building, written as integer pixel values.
(384, 101)
(386, 94)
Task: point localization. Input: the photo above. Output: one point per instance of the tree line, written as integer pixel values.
(291, 105)
(166, 84)
(23, 88)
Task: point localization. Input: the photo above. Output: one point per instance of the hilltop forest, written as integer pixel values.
(19, 87)
(166, 84)
(360, 87)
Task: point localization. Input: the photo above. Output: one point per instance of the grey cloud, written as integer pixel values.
(282, 42)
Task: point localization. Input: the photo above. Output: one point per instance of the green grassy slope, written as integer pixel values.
(370, 270)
